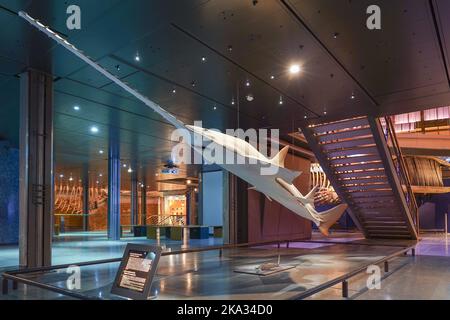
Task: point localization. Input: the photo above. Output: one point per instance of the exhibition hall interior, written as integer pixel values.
(224, 149)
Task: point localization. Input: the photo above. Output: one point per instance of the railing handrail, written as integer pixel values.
(403, 170)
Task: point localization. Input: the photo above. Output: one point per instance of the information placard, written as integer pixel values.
(137, 269)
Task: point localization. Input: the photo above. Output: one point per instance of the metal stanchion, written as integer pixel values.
(345, 289)
(446, 225)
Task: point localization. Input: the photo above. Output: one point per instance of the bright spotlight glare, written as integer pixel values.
(294, 69)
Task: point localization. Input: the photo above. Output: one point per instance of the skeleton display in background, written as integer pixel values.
(325, 192)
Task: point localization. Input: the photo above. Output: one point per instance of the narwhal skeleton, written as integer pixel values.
(278, 187)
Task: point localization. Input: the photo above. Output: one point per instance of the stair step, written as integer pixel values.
(339, 125)
(374, 200)
(382, 205)
(348, 144)
(358, 167)
(353, 159)
(393, 223)
(366, 187)
(344, 135)
(371, 150)
(372, 194)
(387, 227)
(361, 181)
(372, 173)
(389, 236)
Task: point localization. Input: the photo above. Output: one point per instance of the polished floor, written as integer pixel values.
(206, 275)
(87, 246)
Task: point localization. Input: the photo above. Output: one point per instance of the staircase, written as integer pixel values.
(363, 162)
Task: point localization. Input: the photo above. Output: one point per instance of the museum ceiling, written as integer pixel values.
(199, 58)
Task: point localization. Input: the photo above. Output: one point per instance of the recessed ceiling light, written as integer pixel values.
(281, 101)
(247, 83)
(203, 59)
(325, 112)
(232, 102)
(335, 35)
(174, 91)
(61, 176)
(94, 129)
(137, 57)
(100, 175)
(294, 69)
(214, 108)
(195, 189)
(124, 165)
(193, 83)
(272, 77)
(352, 96)
(189, 182)
(76, 108)
(305, 117)
(70, 179)
(101, 151)
(130, 170)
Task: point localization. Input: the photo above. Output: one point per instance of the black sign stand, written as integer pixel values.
(136, 271)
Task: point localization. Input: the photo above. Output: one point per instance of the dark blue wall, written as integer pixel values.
(432, 212)
(9, 194)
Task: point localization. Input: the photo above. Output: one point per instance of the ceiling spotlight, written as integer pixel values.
(214, 108)
(272, 77)
(101, 151)
(61, 176)
(325, 113)
(203, 59)
(294, 69)
(100, 175)
(174, 91)
(232, 102)
(130, 170)
(305, 117)
(281, 101)
(76, 108)
(94, 129)
(250, 97)
(195, 189)
(98, 182)
(124, 165)
(352, 96)
(230, 48)
(137, 57)
(118, 67)
(193, 83)
(188, 181)
(70, 179)
(247, 83)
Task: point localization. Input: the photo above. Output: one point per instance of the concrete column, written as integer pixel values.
(134, 200)
(86, 198)
(114, 186)
(36, 169)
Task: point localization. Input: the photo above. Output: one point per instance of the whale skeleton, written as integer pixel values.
(278, 186)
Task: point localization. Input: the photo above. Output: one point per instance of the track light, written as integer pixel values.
(294, 69)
